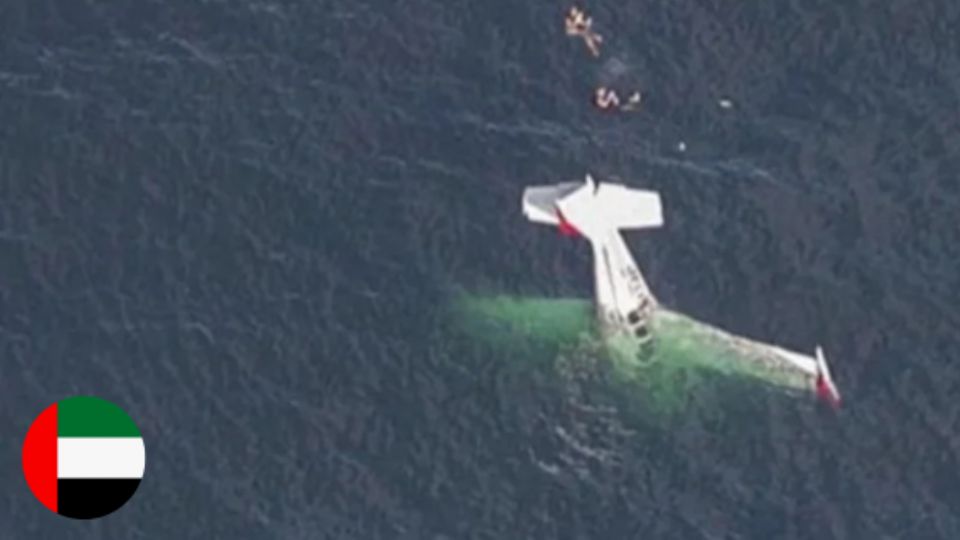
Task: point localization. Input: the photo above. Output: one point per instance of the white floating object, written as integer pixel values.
(725, 103)
(624, 304)
(682, 146)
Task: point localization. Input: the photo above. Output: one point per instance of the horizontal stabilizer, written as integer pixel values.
(540, 202)
(619, 207)
(593, 208)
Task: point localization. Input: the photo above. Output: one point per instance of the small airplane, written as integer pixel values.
(631, 322)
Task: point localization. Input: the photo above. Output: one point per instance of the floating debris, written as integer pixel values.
(682, 146)
(725, 104)
(633, 102)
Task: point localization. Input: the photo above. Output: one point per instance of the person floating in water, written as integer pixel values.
(606, 99)
(578, 24)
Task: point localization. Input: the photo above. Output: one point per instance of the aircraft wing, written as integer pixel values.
(547, 321)
(686, 341)
(680, 344)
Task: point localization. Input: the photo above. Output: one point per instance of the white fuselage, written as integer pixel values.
(624, 301)
(625, 306)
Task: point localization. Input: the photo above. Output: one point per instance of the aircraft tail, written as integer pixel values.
(592, 209)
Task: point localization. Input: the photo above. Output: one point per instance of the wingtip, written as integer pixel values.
(825, 387)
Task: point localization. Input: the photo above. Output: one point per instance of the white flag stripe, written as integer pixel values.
(100, 457)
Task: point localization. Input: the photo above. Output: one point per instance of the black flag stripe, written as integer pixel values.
(89, 498)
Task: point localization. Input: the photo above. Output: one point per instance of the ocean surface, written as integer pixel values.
(241, 221)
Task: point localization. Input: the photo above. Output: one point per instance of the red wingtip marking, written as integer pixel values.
(825, 393)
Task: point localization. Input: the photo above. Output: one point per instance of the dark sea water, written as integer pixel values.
(240, 222)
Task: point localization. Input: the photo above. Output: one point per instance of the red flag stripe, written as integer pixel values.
(40, 457)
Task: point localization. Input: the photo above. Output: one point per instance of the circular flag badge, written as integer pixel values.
(83, 457)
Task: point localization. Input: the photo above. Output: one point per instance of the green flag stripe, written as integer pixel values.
(92, 417)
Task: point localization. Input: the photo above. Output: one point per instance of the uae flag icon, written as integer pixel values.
(83, 457)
